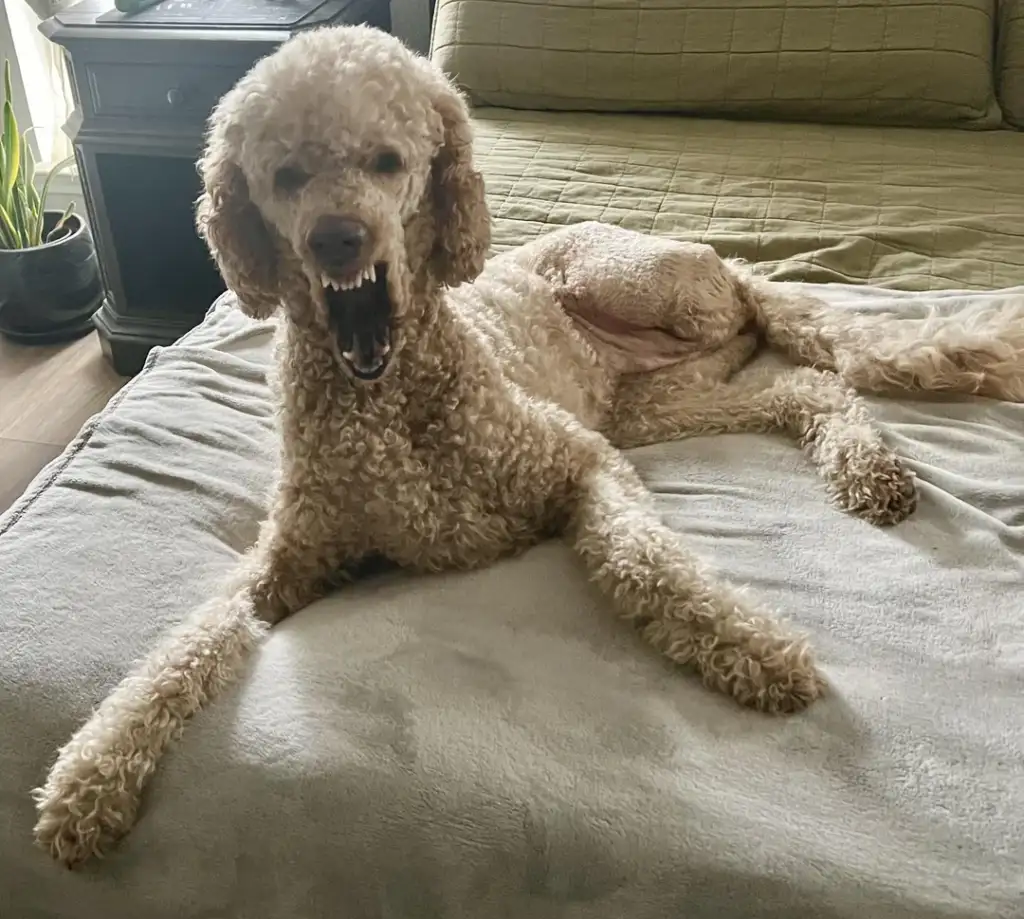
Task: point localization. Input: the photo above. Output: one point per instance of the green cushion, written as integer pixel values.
(912, 62)
(1011, 60)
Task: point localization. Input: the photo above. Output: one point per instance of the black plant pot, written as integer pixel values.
(48, 293)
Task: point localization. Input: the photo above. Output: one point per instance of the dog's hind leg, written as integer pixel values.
(862, 474)
(642, 301)
(703, 372)
(92, 793)
(680, 607)
(647, 302)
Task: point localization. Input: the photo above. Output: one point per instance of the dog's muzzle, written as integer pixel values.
(359, 313)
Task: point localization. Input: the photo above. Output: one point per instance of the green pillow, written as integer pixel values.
(1011, 61)
(911, 62)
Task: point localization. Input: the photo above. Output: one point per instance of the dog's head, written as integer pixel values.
(338, 175)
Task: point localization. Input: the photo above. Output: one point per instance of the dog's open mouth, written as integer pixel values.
(359, 312)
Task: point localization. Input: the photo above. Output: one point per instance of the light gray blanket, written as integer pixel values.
(495, 744)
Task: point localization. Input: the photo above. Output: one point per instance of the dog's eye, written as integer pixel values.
(387, 162)
(290, 178)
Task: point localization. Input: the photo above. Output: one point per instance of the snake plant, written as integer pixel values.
(22, 206)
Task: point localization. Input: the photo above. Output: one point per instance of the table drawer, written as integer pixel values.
(157, 92)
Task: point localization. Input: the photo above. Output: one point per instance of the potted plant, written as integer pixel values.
(49, 276)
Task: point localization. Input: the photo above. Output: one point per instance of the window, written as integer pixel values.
(42, 93)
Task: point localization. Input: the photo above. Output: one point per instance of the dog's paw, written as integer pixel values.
(779, 679)
(764, 670)
(870, 481)
(83, 811)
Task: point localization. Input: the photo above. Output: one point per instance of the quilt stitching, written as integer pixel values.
(930, 61)
(944, 212)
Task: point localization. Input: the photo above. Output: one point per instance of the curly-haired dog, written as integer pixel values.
(445, 427)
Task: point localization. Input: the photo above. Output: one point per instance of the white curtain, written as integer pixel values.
(43, 76)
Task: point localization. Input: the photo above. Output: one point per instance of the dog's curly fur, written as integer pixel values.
(500, 418)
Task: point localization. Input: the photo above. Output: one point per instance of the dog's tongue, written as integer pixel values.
(361, 322)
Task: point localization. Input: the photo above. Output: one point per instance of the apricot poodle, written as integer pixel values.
(443, 414)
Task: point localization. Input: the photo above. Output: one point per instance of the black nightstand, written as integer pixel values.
(143, 91)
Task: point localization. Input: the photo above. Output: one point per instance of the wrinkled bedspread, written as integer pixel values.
(495, 744)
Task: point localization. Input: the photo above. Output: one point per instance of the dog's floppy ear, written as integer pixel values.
(462, 221)
(236, 235)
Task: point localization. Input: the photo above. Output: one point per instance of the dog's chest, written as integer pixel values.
(436, 493)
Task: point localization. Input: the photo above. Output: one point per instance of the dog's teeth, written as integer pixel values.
(325, 280)
(334, 284)
(371, 274)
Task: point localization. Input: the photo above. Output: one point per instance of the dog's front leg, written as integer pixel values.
(92, 793)
(682, 609)
(303, 548)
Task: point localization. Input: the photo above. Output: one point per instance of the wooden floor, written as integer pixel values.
(46, 395)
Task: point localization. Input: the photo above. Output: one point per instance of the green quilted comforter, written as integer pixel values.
(903, 208)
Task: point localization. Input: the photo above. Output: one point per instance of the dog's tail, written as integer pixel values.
(978, 350)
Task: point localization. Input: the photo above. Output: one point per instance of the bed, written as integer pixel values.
(495, 744)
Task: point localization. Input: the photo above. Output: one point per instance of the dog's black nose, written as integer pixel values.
(337, 242)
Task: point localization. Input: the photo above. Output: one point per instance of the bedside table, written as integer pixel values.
(143, 87)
